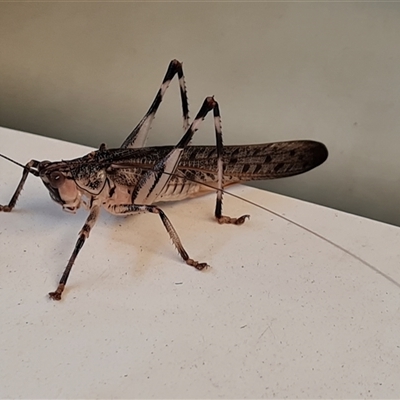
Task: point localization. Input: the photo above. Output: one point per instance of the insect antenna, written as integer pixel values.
(25, 167)
(319, 236)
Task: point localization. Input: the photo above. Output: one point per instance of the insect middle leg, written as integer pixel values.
(127, 209)
(83, 235)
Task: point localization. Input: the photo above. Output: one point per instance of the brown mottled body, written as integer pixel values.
(197, 166)
(133, 178)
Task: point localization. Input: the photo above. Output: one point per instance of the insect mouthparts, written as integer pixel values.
(69, 209)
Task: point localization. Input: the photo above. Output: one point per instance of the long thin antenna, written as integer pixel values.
(32, 171)
(348, 252)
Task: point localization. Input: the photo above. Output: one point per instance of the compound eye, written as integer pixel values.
(56, 179)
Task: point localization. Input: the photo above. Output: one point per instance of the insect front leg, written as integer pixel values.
(83, 235)
(138, 136)
(126, 209)
(28, 169)
(222, 219)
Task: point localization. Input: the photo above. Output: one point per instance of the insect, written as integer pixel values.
(133, 178)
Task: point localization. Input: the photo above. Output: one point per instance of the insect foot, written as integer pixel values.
(57, 294)
(196, 264)
(5, 208)
(223, 219)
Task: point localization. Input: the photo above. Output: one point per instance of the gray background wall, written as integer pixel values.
(86, 72)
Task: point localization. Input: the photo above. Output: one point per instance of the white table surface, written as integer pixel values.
(281, 313)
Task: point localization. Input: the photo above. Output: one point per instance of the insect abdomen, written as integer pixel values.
(179, 189)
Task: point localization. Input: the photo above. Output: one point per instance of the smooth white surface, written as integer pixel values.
(280, 313)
